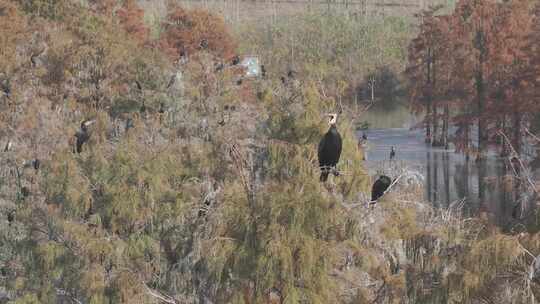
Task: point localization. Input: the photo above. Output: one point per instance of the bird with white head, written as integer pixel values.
(329, 149)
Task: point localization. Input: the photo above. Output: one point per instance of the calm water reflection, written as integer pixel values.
(448, 176)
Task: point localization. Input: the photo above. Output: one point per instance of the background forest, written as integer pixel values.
(195, 184)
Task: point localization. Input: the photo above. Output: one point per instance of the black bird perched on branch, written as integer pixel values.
(379, 187)
(138, 84)
(25, 192)
(291, 74)
(236, 60)
(203, 44)
(329, 149)
(83, 135)
(263, 71)
(142, 109)
(392, 153)
(11, 216)
(220, 66)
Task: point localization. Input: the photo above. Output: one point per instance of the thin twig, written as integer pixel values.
(525, 171)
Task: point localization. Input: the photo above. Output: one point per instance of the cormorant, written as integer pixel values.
(329, 149)
(129, 123)
(143, 108)
(263, 71)
(139, 86)
(11, 216)
(25, 192)
(291, 74)
(161, 108)
(379, 187)
(33, 60)
(83, 135)
(219, 67)
(392, 153)
(204, 44)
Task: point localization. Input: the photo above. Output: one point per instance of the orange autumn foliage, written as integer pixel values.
(131, 17)
(190, 31)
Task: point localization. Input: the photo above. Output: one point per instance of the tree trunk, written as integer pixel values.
(446, 118)
(466, 139)
(480, 91)
(429, 101)
(434, 118)
(516, 132)
(446, 170)
(428, 126)
(434, 141)
(502, 141)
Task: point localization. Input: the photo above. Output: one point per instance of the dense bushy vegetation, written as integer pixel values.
(197, 188)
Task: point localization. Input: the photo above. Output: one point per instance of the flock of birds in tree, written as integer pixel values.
(329, 152)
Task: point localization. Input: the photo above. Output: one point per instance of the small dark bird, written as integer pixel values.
(263, 71)
(392, 153)
(138, 84)
(239, 81)
(364, 136)
(379, 187)
(25, 192)
(329, 149)
(235, 60)
(83, 135)
(219, 67)
(129, 124)
(142, 109)
(291, 74)
(33, 60)
(161, 108)
(204, 44)
(283, 80)
(11, 216)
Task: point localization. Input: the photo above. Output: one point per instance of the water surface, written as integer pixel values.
(448, 175)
